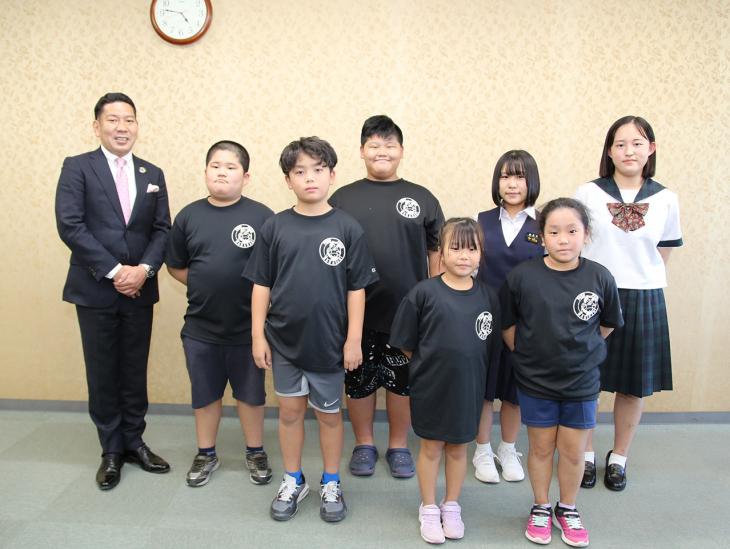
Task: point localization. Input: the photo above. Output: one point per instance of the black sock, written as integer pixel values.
(210, 452)
(252, 449)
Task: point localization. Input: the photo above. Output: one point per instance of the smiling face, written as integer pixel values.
(382, 156)
(564, 236)
(513, 190)
(116, 127)
(225, 178)
(310, 179)
(630, 150)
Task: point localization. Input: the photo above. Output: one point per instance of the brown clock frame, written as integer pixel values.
(182, 41)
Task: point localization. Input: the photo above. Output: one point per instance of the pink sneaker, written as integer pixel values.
(539, 528)
(430, 518)
(451, 520)
(571, 525)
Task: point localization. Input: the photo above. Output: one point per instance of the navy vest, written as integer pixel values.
(498, 259)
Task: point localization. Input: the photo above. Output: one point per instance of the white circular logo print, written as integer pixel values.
(332, 251)
(243, 236)
(408, 208)
(483, 325)
(585, 305)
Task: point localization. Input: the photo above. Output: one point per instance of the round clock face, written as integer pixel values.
(180, 21)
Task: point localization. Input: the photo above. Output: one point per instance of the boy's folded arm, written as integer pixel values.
(508, 335)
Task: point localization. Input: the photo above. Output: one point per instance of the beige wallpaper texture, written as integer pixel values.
(465, 80)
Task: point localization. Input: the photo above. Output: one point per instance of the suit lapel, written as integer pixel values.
(101, 168)
(140, 181)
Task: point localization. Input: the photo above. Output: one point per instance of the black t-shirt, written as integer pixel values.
(215, 244)
(310, 263)
(402, 221)
(455, 336)
(558, 344)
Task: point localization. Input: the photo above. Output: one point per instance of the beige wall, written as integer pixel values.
(466, 81)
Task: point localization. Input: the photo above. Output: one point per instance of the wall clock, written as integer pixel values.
(181, 21)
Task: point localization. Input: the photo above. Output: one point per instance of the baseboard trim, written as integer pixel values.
(655, 418)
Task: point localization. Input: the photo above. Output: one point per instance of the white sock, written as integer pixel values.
(590, 456)
(506, 445)
(618, 459)
(485, 448)
(566, 506)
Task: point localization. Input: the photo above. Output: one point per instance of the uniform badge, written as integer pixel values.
(533, 238)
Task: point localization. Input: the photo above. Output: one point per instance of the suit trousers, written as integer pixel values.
(116, 344)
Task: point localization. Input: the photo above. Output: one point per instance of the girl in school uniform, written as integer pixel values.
(449, 326)
(557, 310)
(510, 237)
(636, 226)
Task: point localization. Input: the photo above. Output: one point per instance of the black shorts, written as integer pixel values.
(211, 366)
(382, 366)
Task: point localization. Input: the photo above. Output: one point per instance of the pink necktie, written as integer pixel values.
(123, 188)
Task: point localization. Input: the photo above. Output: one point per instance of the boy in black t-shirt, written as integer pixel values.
(401, 221)
(309, 270)
(210, 244)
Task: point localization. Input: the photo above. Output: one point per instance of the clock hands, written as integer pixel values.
(179, 12)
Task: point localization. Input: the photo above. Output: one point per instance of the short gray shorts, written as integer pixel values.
(324, 389)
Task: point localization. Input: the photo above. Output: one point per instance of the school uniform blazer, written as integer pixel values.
(90, 221)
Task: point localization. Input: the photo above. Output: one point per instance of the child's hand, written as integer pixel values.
(352, 353)
(261, 353)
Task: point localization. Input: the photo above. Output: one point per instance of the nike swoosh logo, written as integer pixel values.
(328, 404)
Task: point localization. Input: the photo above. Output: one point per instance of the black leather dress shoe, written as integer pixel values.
(615, 477)
(110, 471)
(589, 475)
(147, 459)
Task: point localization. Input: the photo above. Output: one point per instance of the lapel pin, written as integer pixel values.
(533, 238)
(142, 169)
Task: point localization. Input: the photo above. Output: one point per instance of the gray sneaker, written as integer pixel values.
(332, 508)
(287, 500)
(201, 469)
(258, 467)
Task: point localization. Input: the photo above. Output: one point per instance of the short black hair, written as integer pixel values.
(313, 146)
(112, 97)
(382, 126)
(570, 203)
(521, 163)
(236, 148)
(607, 168)
(464, 232)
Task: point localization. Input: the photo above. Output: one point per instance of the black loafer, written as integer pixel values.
(615, 477)
(147, 460)
(109, 472)
(589, 475)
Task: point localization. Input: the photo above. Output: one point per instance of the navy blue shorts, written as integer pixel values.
(211, 366)
(542, 412)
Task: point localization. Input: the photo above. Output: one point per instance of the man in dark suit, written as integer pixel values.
(112, 212)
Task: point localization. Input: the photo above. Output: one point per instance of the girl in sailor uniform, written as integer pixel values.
(510, 237)
(636, 225)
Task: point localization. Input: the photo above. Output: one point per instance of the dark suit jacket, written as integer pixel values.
(90, 221)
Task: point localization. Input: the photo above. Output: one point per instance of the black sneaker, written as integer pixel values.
(258, 467)
(589, 475)
(201, 470)
(287, 499)
(332, 506)
(615, 477)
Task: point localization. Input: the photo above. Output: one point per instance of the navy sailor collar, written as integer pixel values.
(648, 188)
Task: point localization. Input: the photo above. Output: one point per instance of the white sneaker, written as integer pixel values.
(484, 467)
(509, 461)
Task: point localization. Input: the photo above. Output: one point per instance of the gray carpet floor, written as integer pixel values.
(678, 493)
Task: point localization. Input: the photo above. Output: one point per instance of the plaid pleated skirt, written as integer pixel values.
(639, 359)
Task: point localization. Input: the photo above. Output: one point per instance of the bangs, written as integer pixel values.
(461, 235)
(514, 166)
